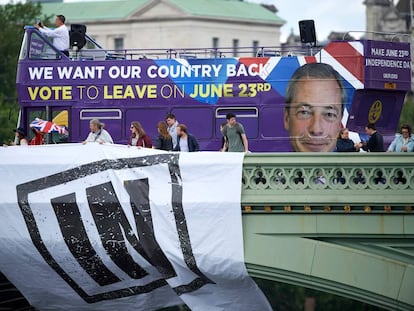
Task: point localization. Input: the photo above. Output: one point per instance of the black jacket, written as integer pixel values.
(375, 143)
(192, 144)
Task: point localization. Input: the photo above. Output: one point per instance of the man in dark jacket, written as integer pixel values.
(376, 141)
(185, 141)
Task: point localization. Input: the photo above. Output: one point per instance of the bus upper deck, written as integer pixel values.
(200, 86)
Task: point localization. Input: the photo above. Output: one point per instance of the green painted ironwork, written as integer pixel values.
(349, 233)
(331, 182)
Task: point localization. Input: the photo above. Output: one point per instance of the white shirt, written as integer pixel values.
(60, 36)
(172, 130)
(184, 144)
(101, 136)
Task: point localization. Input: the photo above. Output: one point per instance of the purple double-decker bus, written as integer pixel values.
(201, 86)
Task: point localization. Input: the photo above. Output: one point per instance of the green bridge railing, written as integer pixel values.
(328, 183)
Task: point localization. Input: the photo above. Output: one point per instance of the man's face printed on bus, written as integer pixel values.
(313, 119)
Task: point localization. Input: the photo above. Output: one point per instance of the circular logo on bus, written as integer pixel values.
(375, 111)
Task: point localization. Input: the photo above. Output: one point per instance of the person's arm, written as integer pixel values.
(148, 142)
(410, 145)
(24, 142)
(177, 146)
(88, 139)
(158, 142)
(391, 148)
(225, 144)
(245, 142)
(105, 137)
(196, 146)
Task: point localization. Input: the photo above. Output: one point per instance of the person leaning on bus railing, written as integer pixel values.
(20, 138)
(164, 139)
(403, 142)
(138, 137)
(235, 139)
(186, 142)
(315, 99)
(98, 134)
(60, 34)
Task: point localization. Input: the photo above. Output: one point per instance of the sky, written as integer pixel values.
(329, 15)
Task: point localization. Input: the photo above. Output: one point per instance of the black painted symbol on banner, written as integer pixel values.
(114, 228)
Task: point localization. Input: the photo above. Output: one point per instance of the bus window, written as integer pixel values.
(248, 116)
(33, 113)
(60, 116)
(199, 120)
(271, 121)
(40, 49)
(112, 118)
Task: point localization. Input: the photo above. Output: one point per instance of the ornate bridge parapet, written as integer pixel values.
(331, 182)
(341, 223)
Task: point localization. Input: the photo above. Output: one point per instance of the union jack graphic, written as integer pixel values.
(48, 126)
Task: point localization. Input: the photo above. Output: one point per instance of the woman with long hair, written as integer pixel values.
(164, 139)
(138, 136)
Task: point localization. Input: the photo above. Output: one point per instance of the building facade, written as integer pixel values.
(169, 24)
(385, 16)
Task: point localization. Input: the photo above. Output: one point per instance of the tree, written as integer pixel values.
(407, 113)
(13, 18)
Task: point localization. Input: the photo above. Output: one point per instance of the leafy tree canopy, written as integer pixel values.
(13, 18)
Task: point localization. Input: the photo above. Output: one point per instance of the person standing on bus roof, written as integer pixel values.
(98, 134)
(185, 141)
(138, 137)
(60, 34)
(235, 136)
(315, 100)
(172, 127)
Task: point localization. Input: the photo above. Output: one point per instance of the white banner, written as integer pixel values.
(106, 227)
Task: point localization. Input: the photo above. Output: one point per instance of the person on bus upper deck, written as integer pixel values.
(345, 144)
(315, 100)
(38, 138)
(403, 142)
(60, 34)
(98, 134)
(185, 141)
(235, 136)
(375, 142)
(172, 127)
(164, 139)
(21, 138)
(138, 137)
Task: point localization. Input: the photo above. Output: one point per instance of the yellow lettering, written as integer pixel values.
(228, 90)
(117, 94)
(152, 91)
(33, 92)
(106, 95)
(45, 93)
(66, 92)
(129, 93)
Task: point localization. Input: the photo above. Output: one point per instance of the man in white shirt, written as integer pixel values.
(172, 125)
(60, 34)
